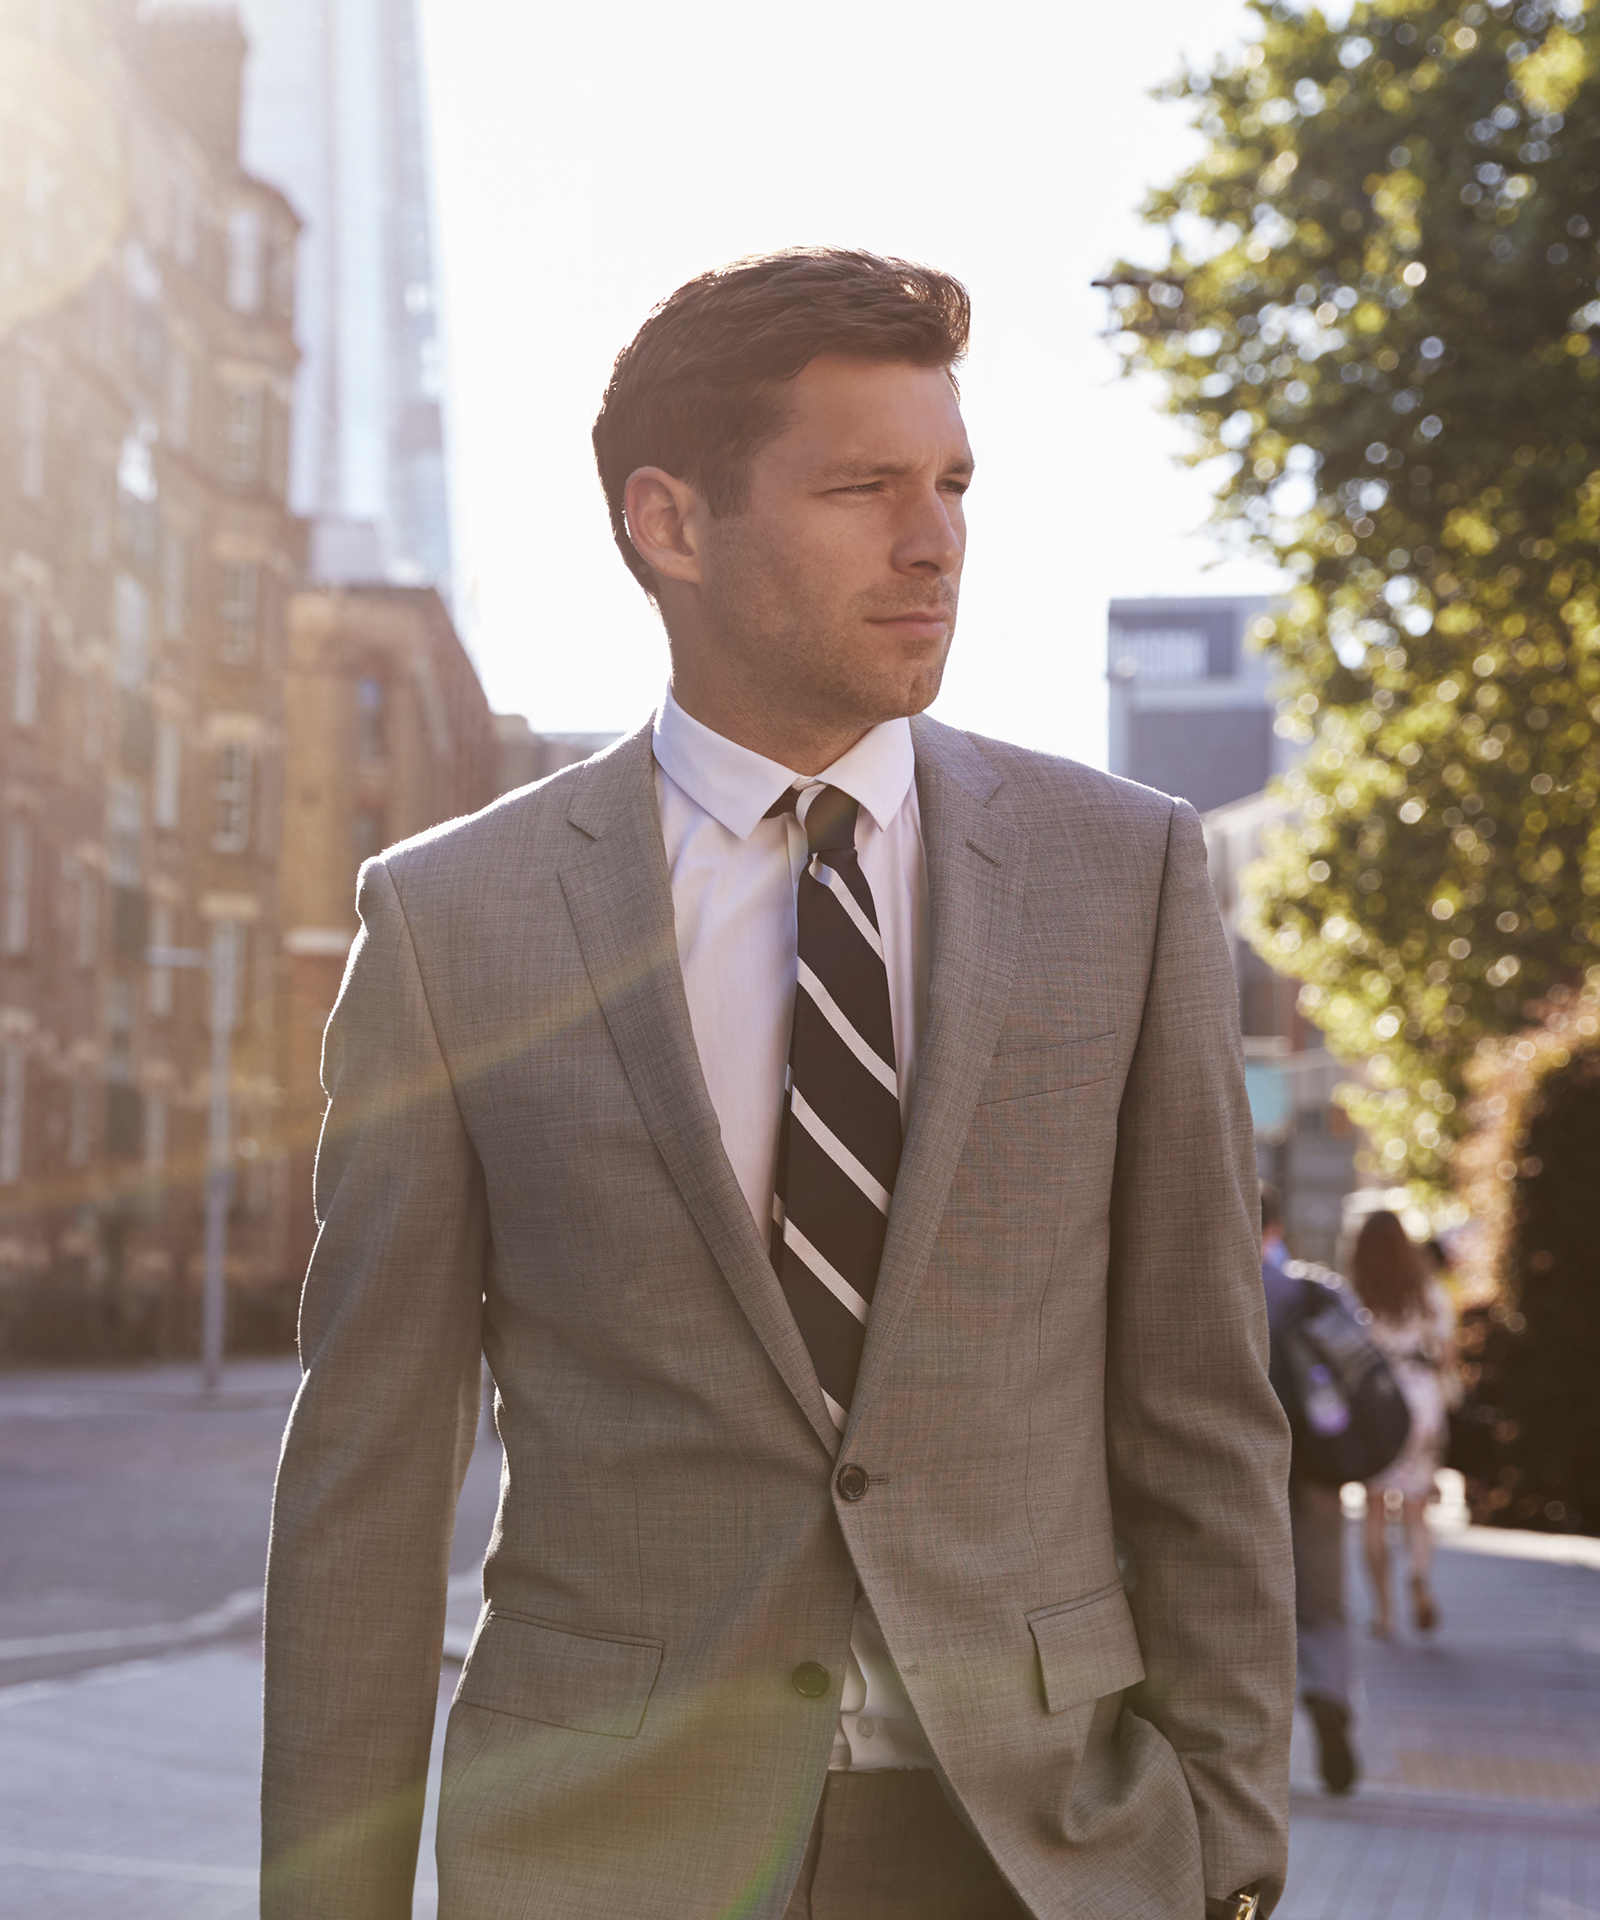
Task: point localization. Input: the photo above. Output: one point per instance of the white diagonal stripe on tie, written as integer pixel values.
(838, 1152)
(828, 1007)
(837, 1414)
(829, 1275)
(826, 877)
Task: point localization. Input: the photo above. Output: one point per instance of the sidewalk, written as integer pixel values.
(1480, 1748)
(130, 1791)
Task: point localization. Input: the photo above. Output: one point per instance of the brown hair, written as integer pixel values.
(1387, 1269)
(698, 390)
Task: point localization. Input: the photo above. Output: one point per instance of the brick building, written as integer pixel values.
(388, 733)
(146, 555)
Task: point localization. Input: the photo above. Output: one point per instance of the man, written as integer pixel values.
(1316, 1517)
(831, 1128)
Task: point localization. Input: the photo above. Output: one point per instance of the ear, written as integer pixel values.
(664, 518)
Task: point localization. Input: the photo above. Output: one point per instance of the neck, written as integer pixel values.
(776, 734)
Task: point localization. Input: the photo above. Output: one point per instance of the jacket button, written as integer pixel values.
(851, 1481)
(810, 1681)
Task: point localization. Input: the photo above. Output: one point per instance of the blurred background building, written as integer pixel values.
(525, 756)
(198, 746)
(334, 116)
(1192, 709)
(388, 733)
(1191, 706)
(146, 553)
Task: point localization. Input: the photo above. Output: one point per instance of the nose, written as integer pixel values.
(932, 535)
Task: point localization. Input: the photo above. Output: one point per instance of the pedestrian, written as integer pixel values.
(1316, 1518)
(832, 1128)
(1413, 1325)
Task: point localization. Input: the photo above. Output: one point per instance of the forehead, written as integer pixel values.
(843, 408)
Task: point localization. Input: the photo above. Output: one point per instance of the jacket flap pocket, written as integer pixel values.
(566, 1679)
(1087, 1648)
(1048, 1069)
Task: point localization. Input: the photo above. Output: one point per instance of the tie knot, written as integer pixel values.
(830, 821)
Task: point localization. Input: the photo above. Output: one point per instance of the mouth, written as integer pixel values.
(923, 623)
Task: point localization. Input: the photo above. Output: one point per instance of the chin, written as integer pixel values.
(922, 688)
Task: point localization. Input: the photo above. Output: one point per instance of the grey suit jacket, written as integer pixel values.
(1066, 1353)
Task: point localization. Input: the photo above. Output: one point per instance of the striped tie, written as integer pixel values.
(839, 1144)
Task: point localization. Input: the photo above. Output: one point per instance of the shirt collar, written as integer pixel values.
(736, 786)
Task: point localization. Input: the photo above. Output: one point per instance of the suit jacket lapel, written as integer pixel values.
(620, 898)
(976, 861)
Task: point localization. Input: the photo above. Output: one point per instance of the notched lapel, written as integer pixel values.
(620, 898)
(976, 872)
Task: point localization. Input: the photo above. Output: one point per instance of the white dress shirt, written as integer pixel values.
(735, 875)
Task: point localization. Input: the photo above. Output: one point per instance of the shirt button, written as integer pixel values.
(810, 1681)
(851, 1481)
(866, 1726)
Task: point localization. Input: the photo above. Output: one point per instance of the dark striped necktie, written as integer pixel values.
(839, 1143)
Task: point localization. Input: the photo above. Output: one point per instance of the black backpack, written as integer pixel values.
(1344, 1404)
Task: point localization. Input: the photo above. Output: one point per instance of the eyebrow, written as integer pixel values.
(890, 469)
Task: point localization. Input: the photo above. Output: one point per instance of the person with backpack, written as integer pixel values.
(1317, 1529)
(1349, 1420)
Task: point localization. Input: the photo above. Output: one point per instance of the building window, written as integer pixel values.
(185, 221)
(125, 829)
(372, 717)
(15, 928)
(366, 835)
(174, 583)
(94, 716)
(247, 240)
(159, 996)
(180, 398)
(1163, 655)
(155, 1132)
(230, 793)
(124, 1115)
(86, 927)
(166, 785)
(31, 425)
(25, 649)
(80, 1118)
(130, 625)
(13, 1092)
(241, 436)
(99, 509)
(283, 281)
(241, 594)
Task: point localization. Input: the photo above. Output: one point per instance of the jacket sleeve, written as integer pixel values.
(1198, 1445)
(376, 1449)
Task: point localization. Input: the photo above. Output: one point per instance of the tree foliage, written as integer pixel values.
(1531, 1348)
(1381, 318)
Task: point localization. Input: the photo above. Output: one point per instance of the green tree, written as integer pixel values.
(1380, 316)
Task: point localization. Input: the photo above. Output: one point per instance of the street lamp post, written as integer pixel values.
(219, 1151)
(222, 963)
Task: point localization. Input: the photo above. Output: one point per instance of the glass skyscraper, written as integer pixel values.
(333, 117)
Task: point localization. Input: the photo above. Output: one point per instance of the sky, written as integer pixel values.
(589, 159)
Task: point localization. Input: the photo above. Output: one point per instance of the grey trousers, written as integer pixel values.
(888, 1846)
(1316, 1521)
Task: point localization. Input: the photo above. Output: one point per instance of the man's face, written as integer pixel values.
(832, 594)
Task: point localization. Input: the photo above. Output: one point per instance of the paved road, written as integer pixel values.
(130, 1789)
(128, 1501)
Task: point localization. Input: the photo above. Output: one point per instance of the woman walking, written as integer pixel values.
(1413, 1324)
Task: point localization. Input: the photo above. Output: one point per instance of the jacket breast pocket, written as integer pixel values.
(589, 1683)
(1087, 1648)
(1048, 1069)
